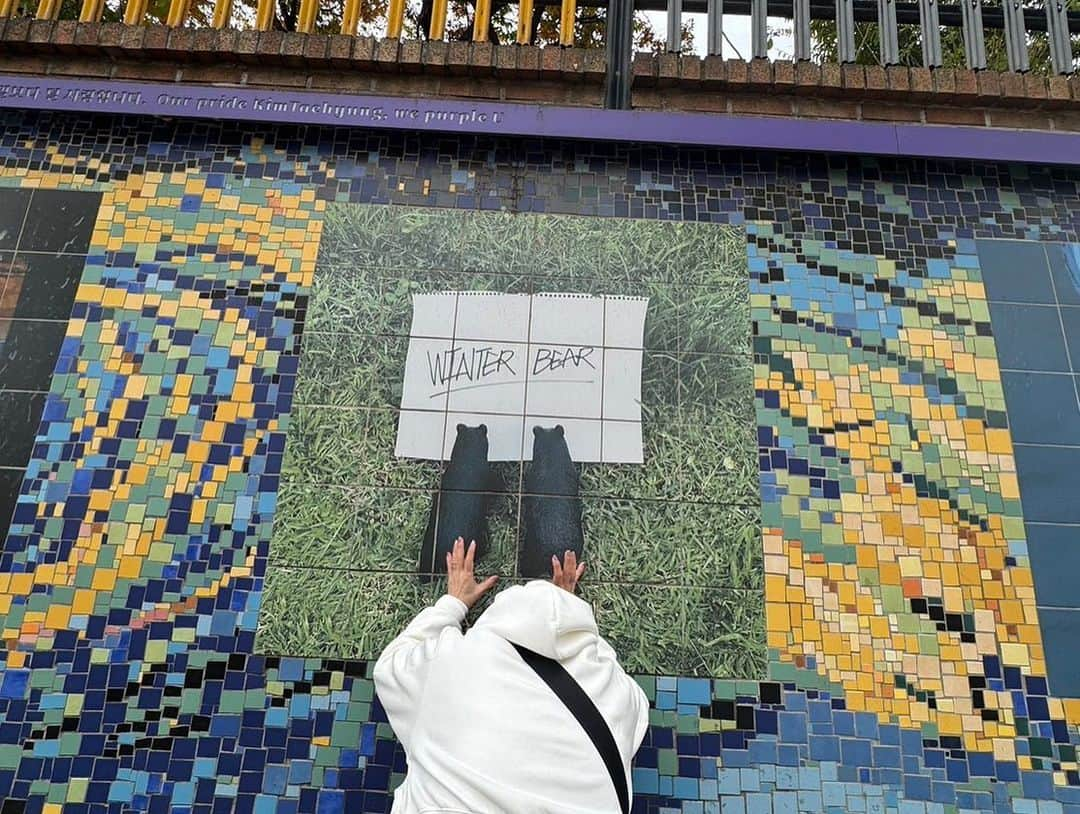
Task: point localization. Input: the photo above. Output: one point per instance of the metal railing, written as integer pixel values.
(1013, 26)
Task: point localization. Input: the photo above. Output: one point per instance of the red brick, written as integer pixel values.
(760, 73)
(853, 77)
(146, 71)
(155, 40)
(181, 41)
(17, 29)
(110, 36)
(27, 64)
(1014, 89)
(528, 61)
(944, 81)
(1057, 89)
(832, 79)
(784, 75)
(1067, 121)
(94, 67)
(40, 31)
(63, 35)
(877, 80)
(667, 70)
(340, 50)
(690, 69)
(133, 38)
(898, 79)
(807, 75)
(1074, 87)
(270, 76)
(593, 65)
(643, 71)
(247, 44)
(550, 62)
(922, 81)
(86, 36)
(433, 55)
(386, 55)
(885, 111)
(699, 101)
(1035, 87)
(826, 108)
(316, 47)
(269, 43)
(966, 84)
(505, 60)
(481, 59)
(713, 72)
(966, 116)
(205, 44)
(738, 72)
(988, 84)
(411, 56)
(759, 105)
(363, 52)
(292, 47)
(1020, 119)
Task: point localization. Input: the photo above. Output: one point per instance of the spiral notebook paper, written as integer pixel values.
(515, 361)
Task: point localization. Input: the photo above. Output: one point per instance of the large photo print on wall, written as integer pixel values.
(536, 382)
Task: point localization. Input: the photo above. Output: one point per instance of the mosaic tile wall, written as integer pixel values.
(905, 659)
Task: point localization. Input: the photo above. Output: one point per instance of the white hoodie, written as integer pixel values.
(482, 732)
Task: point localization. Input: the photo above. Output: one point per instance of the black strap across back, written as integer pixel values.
(586, 714)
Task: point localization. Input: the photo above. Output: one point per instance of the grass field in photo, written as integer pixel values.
(673, 546)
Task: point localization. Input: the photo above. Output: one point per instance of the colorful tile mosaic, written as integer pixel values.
(907, 671)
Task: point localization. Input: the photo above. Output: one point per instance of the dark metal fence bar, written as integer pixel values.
(715, 34)
(1015, 36)
(974, 39)
(1057, 26)
(845, 30)
(865, 11)
(759, 28)
(801, 29)
(930, 25)
(888, 40)
(674, 26)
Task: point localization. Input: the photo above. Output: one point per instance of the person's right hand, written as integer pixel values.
(566, 574)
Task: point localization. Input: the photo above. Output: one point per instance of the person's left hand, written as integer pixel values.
(461, 583)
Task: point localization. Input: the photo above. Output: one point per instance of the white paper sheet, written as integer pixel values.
(515, 361)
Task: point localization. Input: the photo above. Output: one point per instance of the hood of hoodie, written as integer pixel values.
(542, 617)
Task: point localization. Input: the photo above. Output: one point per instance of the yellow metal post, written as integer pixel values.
(350, 17)
(525, 13)
(135, 12)
(178, 11)
(305, 20)
(264, 15)
(566, 22)
(395, 18)
(437, 27)
(222, 13)
(481, 21)
(48, 9)
(6, 7)
(91, 11)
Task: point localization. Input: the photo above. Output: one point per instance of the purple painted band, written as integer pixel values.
(456, 116)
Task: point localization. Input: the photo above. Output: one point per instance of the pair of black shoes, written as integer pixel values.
(550, 503)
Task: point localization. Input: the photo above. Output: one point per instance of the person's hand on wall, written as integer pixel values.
(566, 574)
(461, 583)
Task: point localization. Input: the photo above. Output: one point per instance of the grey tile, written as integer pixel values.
(1065, 271)
(1015, 271)
(1048, 483)
(1028, 337)
(1043, 407)
(28, 353)
(1055, 562)
(13, 206)
(20, 414)
(1060, 634)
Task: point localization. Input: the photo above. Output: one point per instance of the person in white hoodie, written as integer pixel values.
(482, 730)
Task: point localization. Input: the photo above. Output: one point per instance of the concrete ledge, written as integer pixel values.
(553, 75)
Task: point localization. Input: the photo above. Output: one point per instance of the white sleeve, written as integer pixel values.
(402, 668)
(637, 703)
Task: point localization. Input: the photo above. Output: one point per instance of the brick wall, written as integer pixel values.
(513, 73)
